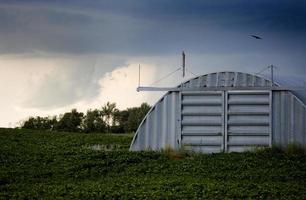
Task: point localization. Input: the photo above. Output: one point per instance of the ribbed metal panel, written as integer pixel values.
(226, 79)
(159, 128)
(214, 121)
(288, 119)
(248, 120)
(202, 121)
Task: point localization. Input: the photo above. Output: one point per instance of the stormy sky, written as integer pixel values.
(58, 55)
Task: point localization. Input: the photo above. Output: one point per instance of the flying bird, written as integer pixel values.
(256, 37)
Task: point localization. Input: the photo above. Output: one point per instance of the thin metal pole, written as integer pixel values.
(183, 63)
(139, 75)
(272, 76)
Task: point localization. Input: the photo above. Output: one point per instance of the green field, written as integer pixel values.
(42, 165)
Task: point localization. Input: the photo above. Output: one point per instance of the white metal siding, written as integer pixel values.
(248, 121)
(202, 121)
(289, 119)
(226, 79)
(159, 128)
(168, 122)
(225, 121)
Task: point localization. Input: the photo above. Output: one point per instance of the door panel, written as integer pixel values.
(248, 120)
(202, 121)
(225, 120)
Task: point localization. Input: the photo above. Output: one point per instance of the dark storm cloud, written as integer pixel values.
(215, 33)
(82, 40)
(150, 27)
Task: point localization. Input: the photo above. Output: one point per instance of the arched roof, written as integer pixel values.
(235, 79)
(226, 79)
(291, 81)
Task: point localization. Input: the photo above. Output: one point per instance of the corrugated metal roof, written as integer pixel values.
(291, 81)
(226, 79)
(245, 79)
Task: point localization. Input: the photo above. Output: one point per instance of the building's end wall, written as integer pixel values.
(160, 127)
(289, 120)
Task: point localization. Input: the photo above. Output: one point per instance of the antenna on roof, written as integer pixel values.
(139, 75)
(272, 75)
(183, 64)
(152, 88)
(271, 67)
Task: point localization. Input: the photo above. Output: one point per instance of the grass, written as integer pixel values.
(44, 165)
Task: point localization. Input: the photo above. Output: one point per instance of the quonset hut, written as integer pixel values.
(225, 112)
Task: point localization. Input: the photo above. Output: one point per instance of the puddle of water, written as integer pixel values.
(103, 147)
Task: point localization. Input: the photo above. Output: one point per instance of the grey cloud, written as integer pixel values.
(214, 35)
(145, 28)
(71, 83)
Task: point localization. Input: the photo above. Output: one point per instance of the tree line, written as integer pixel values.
(108, 119)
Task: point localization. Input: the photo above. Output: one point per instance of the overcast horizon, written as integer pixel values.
(59, 55)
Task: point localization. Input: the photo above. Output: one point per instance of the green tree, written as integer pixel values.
(40, 123)
(120, 121)
(136, 115)
(109, 118)
(70, 121)
(108, 111)
(29, 124)
(93, 122)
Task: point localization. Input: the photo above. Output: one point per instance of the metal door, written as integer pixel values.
(202, 121)
(248, 120)
(216, 121)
